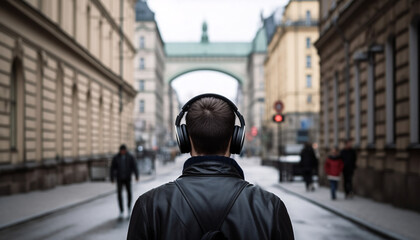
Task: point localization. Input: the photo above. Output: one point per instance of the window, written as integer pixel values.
(75, 121)
(371, 101)
(308, 81)
(414, 46)
(141, 42)
(309, 98)
(13, 108)
(390, 90)
(308, 42)
(335, 109)
(326, 119)
(141, 106)
(262, 85)
(141, 63)
(141, 85)
(356, 104)
(308, 18)
(17, 106)
(308, 61)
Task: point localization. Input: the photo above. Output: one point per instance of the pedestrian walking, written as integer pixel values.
(333, 168)
(211, 199)
(308, 164)
(349, 157)
(123, 166)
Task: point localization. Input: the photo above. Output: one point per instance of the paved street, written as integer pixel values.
(98, 219)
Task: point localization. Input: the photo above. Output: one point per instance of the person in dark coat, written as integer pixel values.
(333, 168)
(349, 157)
(123, 166)
(211, 199)
(308, 164)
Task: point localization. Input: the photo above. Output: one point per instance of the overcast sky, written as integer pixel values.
(227, 20)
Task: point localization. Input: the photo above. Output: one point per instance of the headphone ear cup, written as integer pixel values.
(184, 140)
(237, 137)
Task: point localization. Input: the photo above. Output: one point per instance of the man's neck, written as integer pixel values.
(195, 154)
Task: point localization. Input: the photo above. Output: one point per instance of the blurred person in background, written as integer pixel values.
(211, 199)
(308, 164)
(333, 168)
(123, 166)
(349, 157)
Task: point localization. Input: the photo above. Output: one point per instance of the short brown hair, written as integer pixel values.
(210, 123)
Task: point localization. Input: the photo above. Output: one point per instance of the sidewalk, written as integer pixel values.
(23, 207)
(384, 219)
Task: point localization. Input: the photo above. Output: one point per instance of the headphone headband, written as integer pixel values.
(182, 137)
(210, 95)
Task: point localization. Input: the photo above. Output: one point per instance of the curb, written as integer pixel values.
(369, 226)
(59, 209)
(55, 210)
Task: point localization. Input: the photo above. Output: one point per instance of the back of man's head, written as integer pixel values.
(210, 123)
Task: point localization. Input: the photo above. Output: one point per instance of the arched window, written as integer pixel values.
(308, 61)
(59, 113)
(89, 122)
(141, 106)
(141, 63)
(141, 42)
(101, 125)
(308, 80)
(17, 108)
(75, 119)
(308, 17)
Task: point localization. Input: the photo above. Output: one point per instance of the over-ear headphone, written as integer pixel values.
(183, 139)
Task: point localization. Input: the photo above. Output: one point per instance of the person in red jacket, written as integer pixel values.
(333, 168)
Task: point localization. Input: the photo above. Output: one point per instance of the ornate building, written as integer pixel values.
(369, 53)
(66, 89)
(254, 93)
(292, 76)
(149, 67)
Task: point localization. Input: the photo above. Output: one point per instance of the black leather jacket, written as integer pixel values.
(122, 169)
(209, 183)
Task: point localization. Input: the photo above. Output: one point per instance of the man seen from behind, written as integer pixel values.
(123, 166)
(211, 199)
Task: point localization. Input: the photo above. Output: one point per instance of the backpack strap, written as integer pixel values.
(225, 213)
(189, 204)
(232, 201)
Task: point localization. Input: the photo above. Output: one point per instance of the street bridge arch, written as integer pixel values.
(242, 61)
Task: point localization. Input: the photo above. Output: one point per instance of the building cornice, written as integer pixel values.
(51, 28)
(111, 21)
(344, 14)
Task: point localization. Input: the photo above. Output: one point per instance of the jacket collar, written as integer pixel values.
(212, 165)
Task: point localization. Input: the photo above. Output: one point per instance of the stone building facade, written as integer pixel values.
(149, 79)
(254, 93)
(369, 53)
(66, 89)
(292, 77)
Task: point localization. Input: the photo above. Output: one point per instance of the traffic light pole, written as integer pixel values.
(279, 142)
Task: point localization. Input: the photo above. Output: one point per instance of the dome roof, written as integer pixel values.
(143, 12)
(259, 44)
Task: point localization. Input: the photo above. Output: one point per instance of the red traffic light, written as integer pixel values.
(278, 118)
(254, 131)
